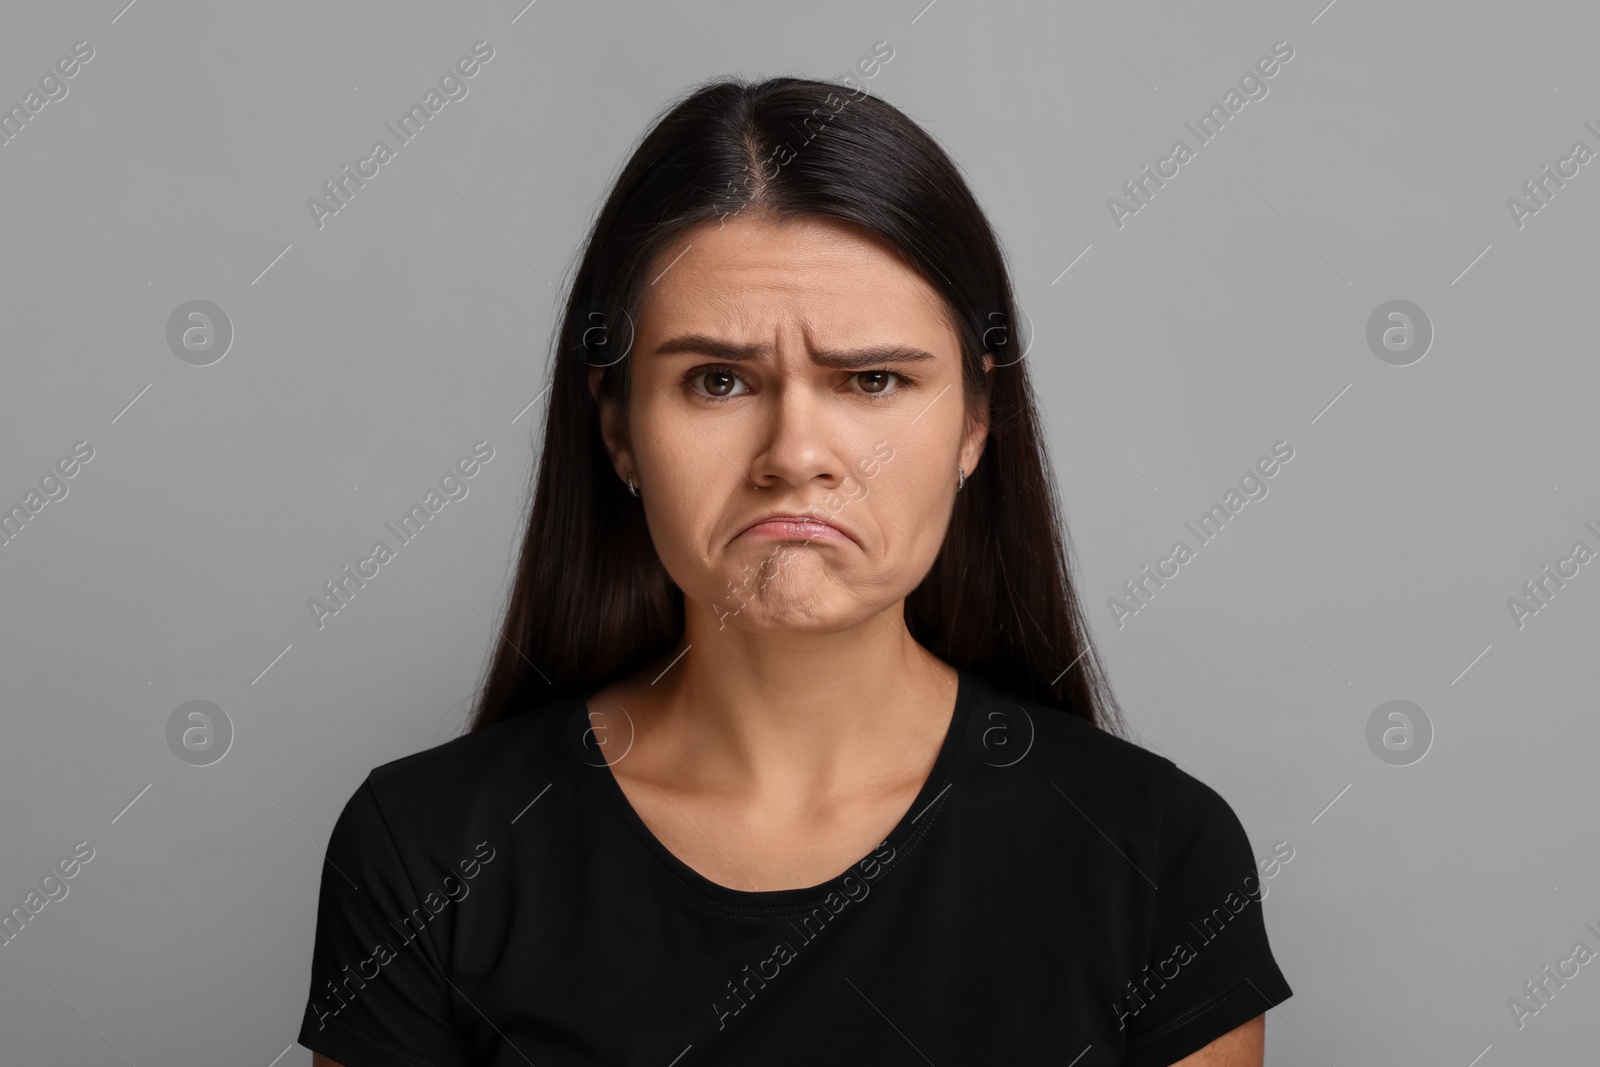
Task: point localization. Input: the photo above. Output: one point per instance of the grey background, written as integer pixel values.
(1228, 314)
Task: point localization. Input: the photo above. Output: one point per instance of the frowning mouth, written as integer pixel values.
(795, 528)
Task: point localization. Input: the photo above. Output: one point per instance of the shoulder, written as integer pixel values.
(1116, 828)
(1029, 752)
(1007, 730)
(471, 785)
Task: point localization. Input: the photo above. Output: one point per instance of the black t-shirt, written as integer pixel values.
(1055, 894)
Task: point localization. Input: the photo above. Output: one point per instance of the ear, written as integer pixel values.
(977, 435)
(613, 427)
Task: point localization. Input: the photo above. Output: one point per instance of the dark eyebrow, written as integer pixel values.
(854, 359)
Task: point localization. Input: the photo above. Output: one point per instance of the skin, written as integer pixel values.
(802, 722)
(793, 726)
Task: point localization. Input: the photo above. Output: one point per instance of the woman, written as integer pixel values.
(794, 749)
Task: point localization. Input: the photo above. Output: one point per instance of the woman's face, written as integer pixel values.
(801, 369)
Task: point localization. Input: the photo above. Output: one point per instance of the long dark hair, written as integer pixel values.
(591, 600)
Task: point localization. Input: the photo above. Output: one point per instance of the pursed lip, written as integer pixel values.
(807, 520)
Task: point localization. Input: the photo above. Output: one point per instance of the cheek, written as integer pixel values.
(679, 506)
(904, 508)
(687, 476)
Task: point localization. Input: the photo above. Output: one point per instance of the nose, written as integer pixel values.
(796, 441)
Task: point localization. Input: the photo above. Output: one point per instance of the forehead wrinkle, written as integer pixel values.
(721, 298)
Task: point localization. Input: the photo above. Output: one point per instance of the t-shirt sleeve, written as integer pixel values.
(379, 995)
(1210, 969)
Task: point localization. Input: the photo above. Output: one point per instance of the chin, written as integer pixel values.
(798, 607)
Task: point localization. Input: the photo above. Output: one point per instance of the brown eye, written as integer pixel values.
(876, 381)
(713, 385)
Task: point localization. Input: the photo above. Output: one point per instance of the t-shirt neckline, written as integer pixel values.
(916, 819)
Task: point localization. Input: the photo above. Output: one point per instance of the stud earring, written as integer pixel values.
(961, 479)
(631, 488)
